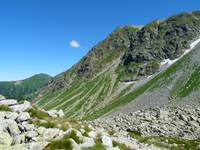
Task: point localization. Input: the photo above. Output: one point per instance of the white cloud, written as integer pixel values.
(74, 44)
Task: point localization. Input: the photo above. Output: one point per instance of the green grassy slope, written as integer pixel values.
(93, 87)
(21, 89)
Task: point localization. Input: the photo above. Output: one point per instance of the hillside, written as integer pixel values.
(128, 65)
(24, 88)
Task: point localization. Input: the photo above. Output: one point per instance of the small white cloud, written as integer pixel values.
(74, 44)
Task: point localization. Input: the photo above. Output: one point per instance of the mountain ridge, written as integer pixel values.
(22, 89)
(128, 54)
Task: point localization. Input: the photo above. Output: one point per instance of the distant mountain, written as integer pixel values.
(23, 89)
(120, 69)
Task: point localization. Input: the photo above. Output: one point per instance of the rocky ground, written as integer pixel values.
(23, 127)
(179, 123)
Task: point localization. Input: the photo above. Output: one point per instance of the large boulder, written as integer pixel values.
(52, 133)
(5, 140)
(23, 116)
(9, 102)
(11, 115)
(21, 107)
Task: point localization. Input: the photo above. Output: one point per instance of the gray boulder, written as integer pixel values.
(21, 107)
(23, 116)
(5, 141)
(8, 102)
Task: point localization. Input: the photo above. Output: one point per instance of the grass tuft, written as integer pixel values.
(5, 108)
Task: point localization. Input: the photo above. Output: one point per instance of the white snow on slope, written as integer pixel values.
(169, 62)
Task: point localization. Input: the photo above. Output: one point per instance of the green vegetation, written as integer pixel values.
(121, 146)
(98, 146)
(153, 83)
(23, 89)
(171, 143)
(64, 144)
(44, 123)
(4, 108)
(192, 84)
(37, 113)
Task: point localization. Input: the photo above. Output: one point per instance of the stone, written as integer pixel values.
(5, 141)
(27, 127)
(31, 134)
(52, 133)
(21, 107)
(53, 113)
(19, 139)
(41, 130)
(87, 142)
(9, 102)
(12, 127)
(11, 115)
(2, 97)
(23, 116)
(60, 113)
(106, 141)
(92, 134)
(36, 145)
(183, 117)
(2, 115)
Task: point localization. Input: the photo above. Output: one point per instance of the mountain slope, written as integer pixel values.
(21, 89)
(100, 82)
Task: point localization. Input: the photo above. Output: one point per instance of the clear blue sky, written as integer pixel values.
(36, 35)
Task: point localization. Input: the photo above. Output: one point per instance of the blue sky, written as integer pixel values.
(49, 36)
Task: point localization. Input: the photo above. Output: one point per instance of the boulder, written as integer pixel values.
(23, 116)
(52, 133)
(61, 113)
(11, 115)
(21, 107)
(87, 142)
(106, 141)
(8, 102)
(12, 127)
(5, 141)
(31, 134)
(19, 139)
(26, 126)
(2, 97)
(53, 113)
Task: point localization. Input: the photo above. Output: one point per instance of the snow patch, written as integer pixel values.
(170, 62)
